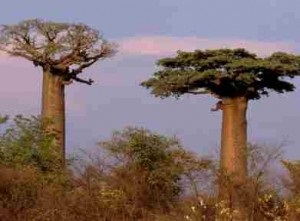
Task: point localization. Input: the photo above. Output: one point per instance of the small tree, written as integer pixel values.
(24, 143)
(144, 167)
(149, 167)
(234, 77)
(63, 51)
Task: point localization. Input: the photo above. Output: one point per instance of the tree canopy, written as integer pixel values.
(62, 48)
(224, 73)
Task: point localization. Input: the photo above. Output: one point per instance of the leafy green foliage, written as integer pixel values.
(147, 159)
(3, 119)
(224, 73)
(149, 167)
(25, 143)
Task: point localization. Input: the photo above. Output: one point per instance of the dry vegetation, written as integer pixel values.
(135, 175)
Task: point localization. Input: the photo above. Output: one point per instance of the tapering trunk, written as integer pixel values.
(53, 109)
(233, 161)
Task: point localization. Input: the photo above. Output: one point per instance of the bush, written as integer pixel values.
(25, 143)
(137, 175)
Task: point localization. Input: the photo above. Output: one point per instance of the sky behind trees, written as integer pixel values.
(146, 31)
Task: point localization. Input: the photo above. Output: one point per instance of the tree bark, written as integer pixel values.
(53, 109)
(233, 160)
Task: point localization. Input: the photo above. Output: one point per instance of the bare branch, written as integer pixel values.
(66, 49)
(81, 67)
(88, 82)
(82, 56)
(18, 54)
(219, 106)
(195, 92)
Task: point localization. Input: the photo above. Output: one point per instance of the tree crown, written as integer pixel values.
(223, 73)
(62, 48)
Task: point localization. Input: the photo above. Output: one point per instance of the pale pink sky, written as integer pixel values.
(166, 45)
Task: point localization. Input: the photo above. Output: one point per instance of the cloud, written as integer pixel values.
(166, 45)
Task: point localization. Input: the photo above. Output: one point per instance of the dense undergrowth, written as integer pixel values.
(135, 175)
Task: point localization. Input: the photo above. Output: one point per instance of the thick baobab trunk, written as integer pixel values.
(233, 160)
(53, 109)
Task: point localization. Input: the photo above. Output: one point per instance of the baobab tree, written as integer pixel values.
(233, 76)
(63, 51)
